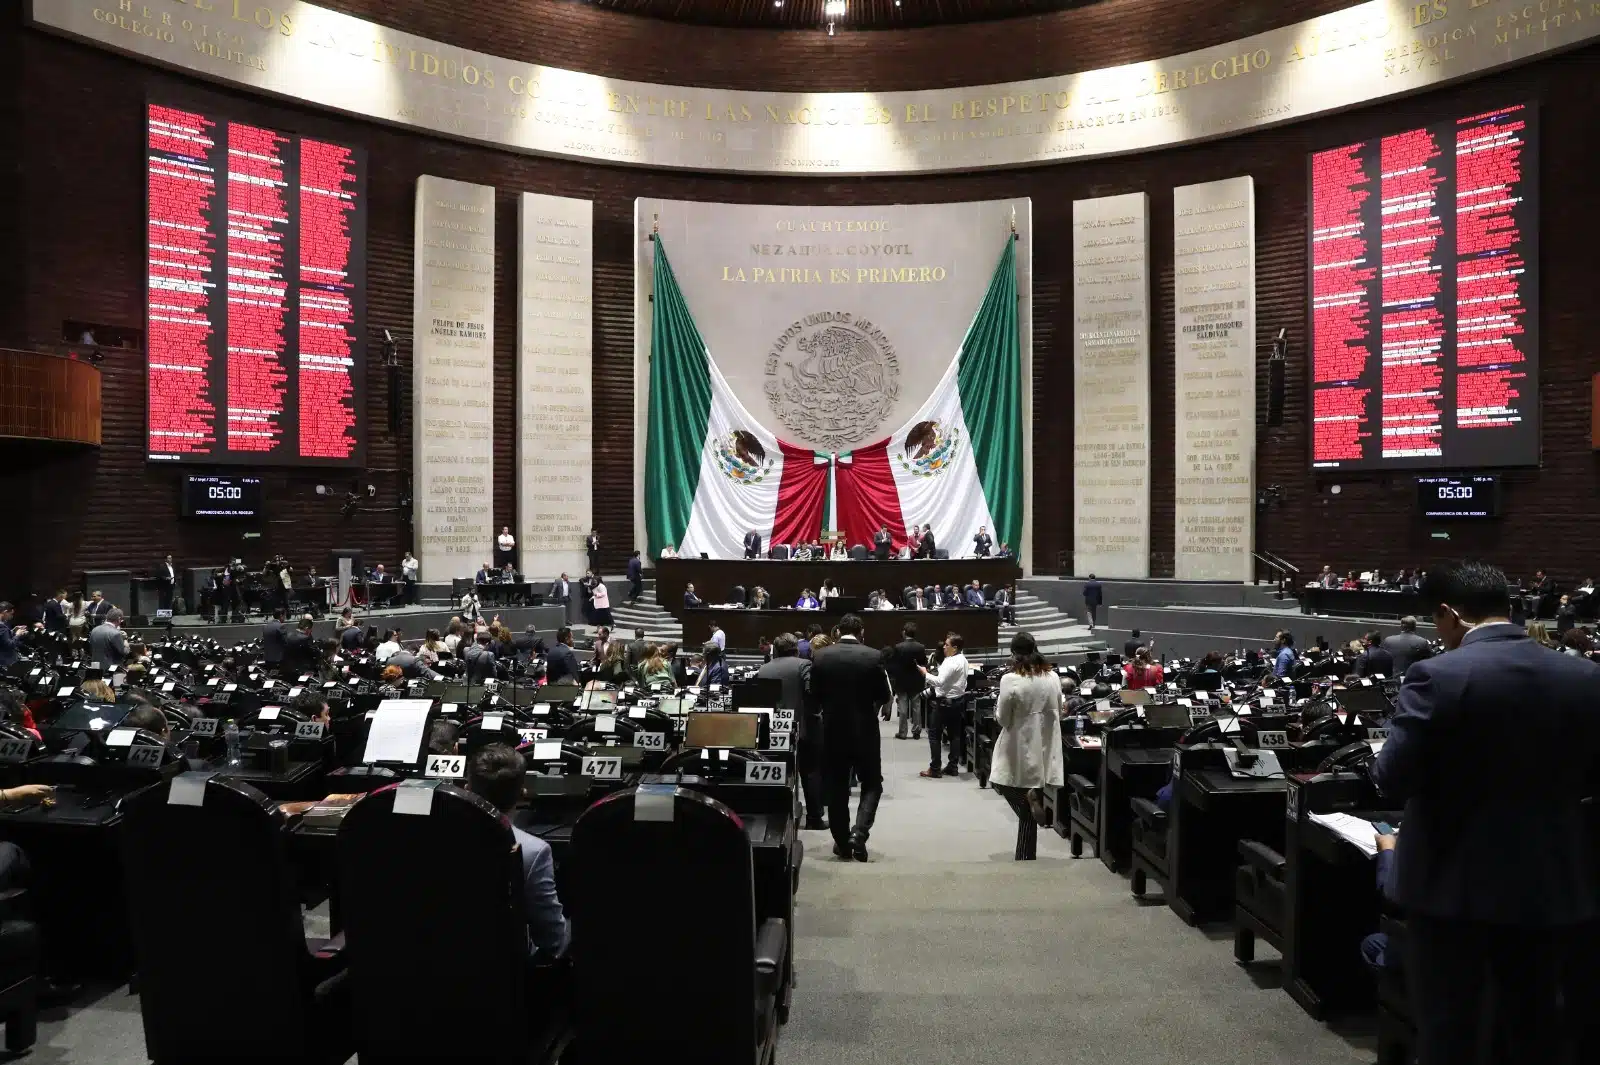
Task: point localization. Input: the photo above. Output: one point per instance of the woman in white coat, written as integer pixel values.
(1027, 754)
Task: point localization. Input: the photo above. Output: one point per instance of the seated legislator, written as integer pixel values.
(480, 660)
(496, 774)
(760, 599)
(485, 575)
(840, 553)
(690, 599)
(1142, 672)
(1005, 551)
(973, 596)
(918, 600)
(807, 601)
(669, 552)
(655, 668)
(1002, 603)
(1371, 658)
(828, 591)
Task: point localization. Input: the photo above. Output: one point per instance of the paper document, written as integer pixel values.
(396, 733)
(1362, 834)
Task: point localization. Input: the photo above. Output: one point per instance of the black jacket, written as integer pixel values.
(561, 665)
(849, 684)
(273, 643)
(1375, 660)
(1516, 855)
(904, 658)
(1093, 593)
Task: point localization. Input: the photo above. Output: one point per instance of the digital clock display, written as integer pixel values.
(1458, 497)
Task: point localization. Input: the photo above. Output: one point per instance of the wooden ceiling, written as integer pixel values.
(808, 14)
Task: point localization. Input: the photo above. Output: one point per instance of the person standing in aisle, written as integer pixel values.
(592, 547)
(1027, 753)
(635, 577)
(848, 683)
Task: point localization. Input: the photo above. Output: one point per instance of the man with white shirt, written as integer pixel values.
(389, 646)
(948, 702)
(505, 548)
(719, 637)
(410, 568)
(166, 582)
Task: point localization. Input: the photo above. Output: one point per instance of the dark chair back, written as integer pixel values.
(736, 594)
(230, 849)
(403, 879)
(859, 552)
(694, 852)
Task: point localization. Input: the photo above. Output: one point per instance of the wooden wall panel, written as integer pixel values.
(81, 221)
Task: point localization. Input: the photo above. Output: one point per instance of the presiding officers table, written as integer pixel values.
(786, 579)
(978, 627)
(1361, 602)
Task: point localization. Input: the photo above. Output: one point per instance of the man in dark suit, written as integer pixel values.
(273, 643)
(981, 544)
(882, 543)
(55, 612)
(561, 664)
(592, 546)
(752, 544)
(1093, 596)
(166, 582)
(690, 599)
(848, 682)
(1496, 882)
(1374, 660)
(635, 577)
(793, 674)
(10, 648)
(480, 660)
(1406, 647)
(905, 662)
(301, 652)
(637, 649)
(97, 608)
(486, 574)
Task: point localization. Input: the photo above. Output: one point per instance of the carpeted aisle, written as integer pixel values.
(944, 950)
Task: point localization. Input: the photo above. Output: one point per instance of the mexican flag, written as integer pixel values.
(713, 473)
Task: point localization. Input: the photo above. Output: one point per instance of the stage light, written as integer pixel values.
(322, 489)
(833, 9)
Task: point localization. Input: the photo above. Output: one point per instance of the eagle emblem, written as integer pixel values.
(741, 458)
(929, 449)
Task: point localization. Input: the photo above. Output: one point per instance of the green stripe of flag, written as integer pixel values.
(680, 407)
(990, 381)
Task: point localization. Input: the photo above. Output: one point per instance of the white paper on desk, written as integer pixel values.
(396, 733)
(1359, 833)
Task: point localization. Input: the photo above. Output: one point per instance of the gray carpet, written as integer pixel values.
(944, 950)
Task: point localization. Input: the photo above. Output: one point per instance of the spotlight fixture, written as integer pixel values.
(322, 489)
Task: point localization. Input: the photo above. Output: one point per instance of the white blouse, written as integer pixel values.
(1027, 753)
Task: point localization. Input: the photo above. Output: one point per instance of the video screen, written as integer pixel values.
(1425, 297)
(256, 294)
(222, 497)
(1476, 496)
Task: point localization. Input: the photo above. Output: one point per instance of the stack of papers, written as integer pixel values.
(1359, 833)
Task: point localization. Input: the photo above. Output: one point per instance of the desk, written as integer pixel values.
(1361, 603)
(714, 577)
(1211, 812)
(504, 593)
(300, 782)
(1332, 895)
(978, 627)
(75, 848)
(1135, 763)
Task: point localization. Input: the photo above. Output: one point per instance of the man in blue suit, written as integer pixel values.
(1496, 880)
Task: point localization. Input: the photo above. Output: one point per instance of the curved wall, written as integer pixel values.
(78, 217)
(598, 41)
